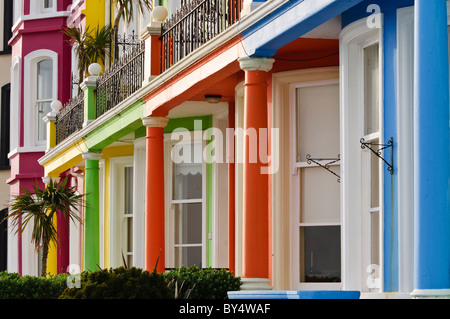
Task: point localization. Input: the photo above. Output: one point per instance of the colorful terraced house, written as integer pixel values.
(302, 144)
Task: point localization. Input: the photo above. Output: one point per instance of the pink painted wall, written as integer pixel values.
(29, 36)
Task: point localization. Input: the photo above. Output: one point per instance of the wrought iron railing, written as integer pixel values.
(70, 119)
(121, 80)
(195, 23)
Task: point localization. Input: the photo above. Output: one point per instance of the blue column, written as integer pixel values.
(431, 153)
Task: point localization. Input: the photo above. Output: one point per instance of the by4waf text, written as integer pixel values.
(226, 308)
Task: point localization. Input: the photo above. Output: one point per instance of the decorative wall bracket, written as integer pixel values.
(318, 161)
(379, 152)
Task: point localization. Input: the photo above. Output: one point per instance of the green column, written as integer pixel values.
(89, 85)
(92, 209)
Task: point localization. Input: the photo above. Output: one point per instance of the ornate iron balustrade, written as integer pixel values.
(195, 23)
(121, 80)
(70, 119)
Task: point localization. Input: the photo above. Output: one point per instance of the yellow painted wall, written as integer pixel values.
(95, 13)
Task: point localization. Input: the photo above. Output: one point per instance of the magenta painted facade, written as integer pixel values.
(36, 37)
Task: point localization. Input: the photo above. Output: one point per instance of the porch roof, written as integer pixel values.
(292, 19)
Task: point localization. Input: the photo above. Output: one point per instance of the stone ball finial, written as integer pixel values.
(56, 106)
(95, 69)
(159, 13)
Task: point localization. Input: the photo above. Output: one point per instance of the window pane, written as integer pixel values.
(375, 238)
(188, 256)
(187, 171)
(188, 223)
(319, 195)
(130, 234)
(317, 121)
(374, 180)
(128, 203)
(371, 89)
(320, 254)
(48, 4)
(43, 109)
(45, 80)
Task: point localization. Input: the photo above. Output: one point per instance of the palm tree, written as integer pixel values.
(126, 11)
(90, 46)
(39, 210)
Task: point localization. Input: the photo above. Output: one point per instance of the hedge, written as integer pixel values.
(120, 283)
(14, 286)
(124, 283)
(203, 283)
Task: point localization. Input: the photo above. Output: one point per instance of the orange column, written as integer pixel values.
(154, 200)
(256, 188)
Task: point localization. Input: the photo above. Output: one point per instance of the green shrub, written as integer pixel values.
(14, 286)
(206, 283)
(120, 283)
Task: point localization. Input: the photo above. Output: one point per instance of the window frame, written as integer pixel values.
(117, 198)
(30, 85)
(170, 202)
(295, 168)
(356, 274)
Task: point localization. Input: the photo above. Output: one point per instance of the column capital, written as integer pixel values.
(89, 82)
(155, 121)
(256, 64)
(92, 156)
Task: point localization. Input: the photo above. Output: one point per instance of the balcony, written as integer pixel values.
(194, 24)
(120, 81)
(70, 119)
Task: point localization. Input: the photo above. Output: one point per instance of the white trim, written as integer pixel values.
(15, 103)
(101, 213)
(29, 93)
(405, 166)
(239, 177)
(431, 294)
(353, 39)
(139, 202)
(117, 164)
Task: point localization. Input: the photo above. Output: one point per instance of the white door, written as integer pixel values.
(315, 188)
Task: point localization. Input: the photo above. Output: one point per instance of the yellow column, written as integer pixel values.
(52, 258)
(50, 120)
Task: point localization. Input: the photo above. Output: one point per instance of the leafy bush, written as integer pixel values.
(206, 283)
(14, 286)
(120, 283)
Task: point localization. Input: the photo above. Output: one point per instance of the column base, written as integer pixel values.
(255, 284)
(431, 294)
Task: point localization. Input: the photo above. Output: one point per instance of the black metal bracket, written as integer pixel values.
(331, 161)
(378, 152)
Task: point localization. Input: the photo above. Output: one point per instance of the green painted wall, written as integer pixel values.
(119, 126)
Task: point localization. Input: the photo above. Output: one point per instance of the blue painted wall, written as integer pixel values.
(389, 10)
